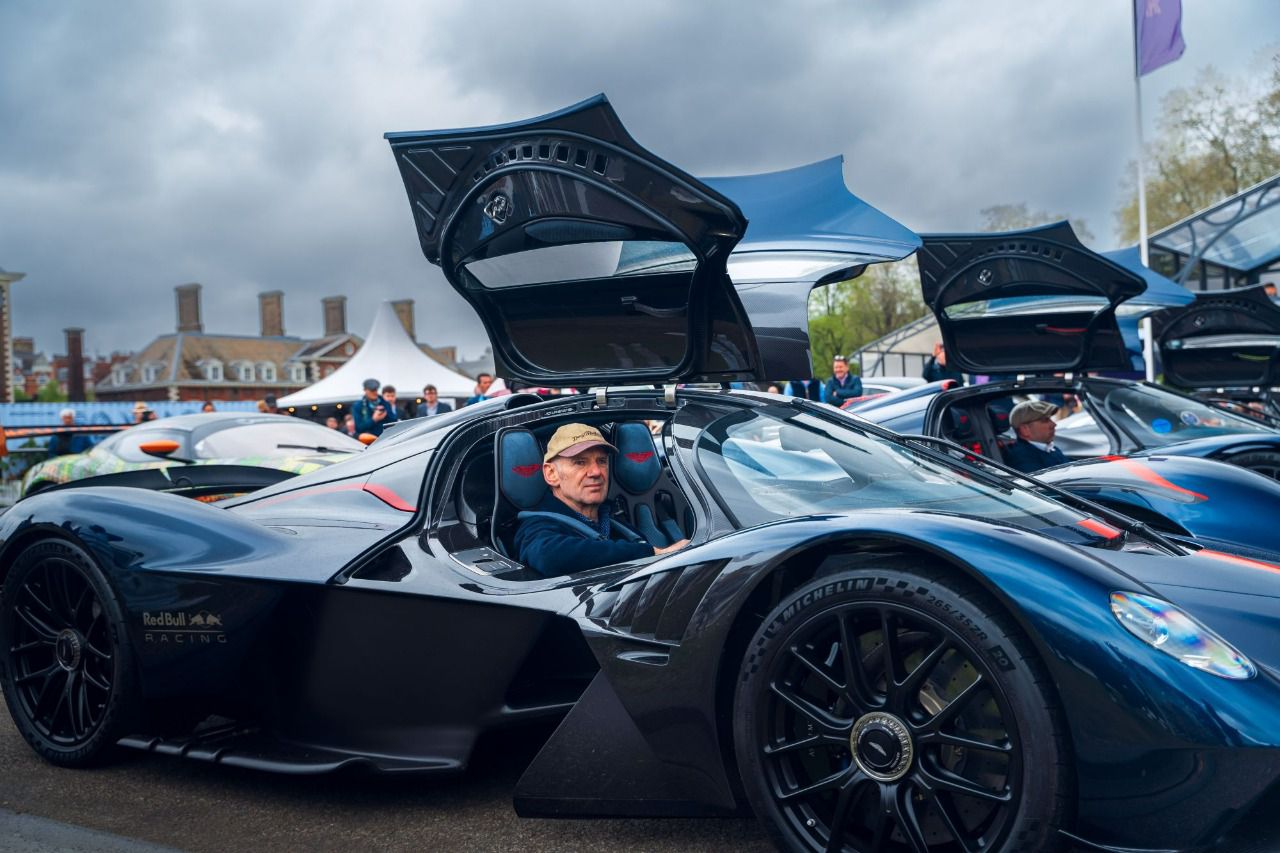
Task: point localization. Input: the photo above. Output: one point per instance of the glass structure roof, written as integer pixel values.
(1241, 233)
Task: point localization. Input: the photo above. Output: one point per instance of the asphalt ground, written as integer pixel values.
(144, 800)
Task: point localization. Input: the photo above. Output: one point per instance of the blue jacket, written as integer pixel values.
(363, 409)
(551, 548)
(1027, 458)
(838, 393)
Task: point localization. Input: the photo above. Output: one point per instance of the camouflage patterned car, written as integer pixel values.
(218, 453)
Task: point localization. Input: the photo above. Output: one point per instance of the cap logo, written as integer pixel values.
(639, 458)
(525, 470)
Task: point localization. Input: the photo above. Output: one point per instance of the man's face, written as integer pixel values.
(840, 368)
(371, 393)
(431, 396)
(484, 382)
(1040, 430)
(68, 420)
(389, 396)
(581, 480)
(940, 354)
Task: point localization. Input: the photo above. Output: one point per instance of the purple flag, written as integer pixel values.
(1159, 27)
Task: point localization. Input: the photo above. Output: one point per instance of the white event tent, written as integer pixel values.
(390, 356)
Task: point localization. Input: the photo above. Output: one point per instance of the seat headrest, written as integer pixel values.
(519, 463)
(637, 467)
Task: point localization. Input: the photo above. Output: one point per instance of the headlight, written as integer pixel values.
(1160, 624)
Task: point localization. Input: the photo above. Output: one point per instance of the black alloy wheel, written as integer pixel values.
(882, 711)
(1265, 462)
(67, 674)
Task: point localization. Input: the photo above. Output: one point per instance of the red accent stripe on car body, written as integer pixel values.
(1106, 531)
(388, 497)
(382, 493)
(1239, 561)
(1143, 472)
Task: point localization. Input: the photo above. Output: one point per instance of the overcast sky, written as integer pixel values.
(239, 144)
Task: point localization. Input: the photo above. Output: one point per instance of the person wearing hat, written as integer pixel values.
(372, 412)
(142, 413)
(1033, 421)
(576, 468)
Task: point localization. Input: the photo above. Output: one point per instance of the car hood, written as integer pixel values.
(1229, 339)
(1032, 301)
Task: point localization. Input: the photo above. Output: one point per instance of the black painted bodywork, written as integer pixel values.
(346, 618)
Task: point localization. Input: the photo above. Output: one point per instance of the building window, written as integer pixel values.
(212, 371)
(297, 372)
(244, 370)
(150, 373)
(120, 375)
(267, 372)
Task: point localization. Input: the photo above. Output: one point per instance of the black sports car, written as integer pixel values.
(867, 643)
(1036, 311)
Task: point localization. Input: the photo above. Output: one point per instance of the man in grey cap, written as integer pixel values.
(1033, 421)
(372, 413)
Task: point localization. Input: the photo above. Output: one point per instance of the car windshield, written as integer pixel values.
(767, 465)
(1155, 418)
(273, 440)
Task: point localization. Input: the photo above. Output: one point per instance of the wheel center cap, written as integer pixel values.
(882, 746)
(68, 648)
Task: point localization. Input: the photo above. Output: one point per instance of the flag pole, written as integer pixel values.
(1144, 326)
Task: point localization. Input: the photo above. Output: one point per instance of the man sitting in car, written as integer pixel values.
(576, 467)
(1033, 421)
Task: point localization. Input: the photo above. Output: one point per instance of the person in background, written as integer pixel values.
(140, 413)
(272, 408)
(773, 389)
(1033, 421)
(431, 404)
(332, 423)
(262, 407)
(65, 443)
(809, 389)
(483, 381)
(208, 406)
(843, 386)
(935, 369)
(402, 409)
(349, 425)
(372, 412)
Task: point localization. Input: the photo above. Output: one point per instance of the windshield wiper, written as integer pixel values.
(319, 448)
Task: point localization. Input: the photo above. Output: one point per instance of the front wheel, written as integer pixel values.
(65, 667)
(894, 710)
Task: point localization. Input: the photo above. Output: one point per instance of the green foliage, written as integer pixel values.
(847, 315)
(1217, 137)
(21, 396)
(50, 393)
(1015, 217)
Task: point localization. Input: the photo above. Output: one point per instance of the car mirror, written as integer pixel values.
(162, 447)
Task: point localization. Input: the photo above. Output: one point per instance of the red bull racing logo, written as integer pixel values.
(180, 628)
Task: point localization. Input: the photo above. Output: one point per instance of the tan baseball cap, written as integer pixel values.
(572, 439)
(1031, 410)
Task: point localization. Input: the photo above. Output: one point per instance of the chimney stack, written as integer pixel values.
(271, 313)
(189, 308)
(75, 364)
(335, 315)
(404, 310)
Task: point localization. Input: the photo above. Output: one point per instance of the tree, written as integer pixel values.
(50, 393)
(847, 315)
(1216, 138)
(1015, 217)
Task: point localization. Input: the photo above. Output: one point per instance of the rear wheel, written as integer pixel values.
(68, 678)
(1263, 461)
(890, 710)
